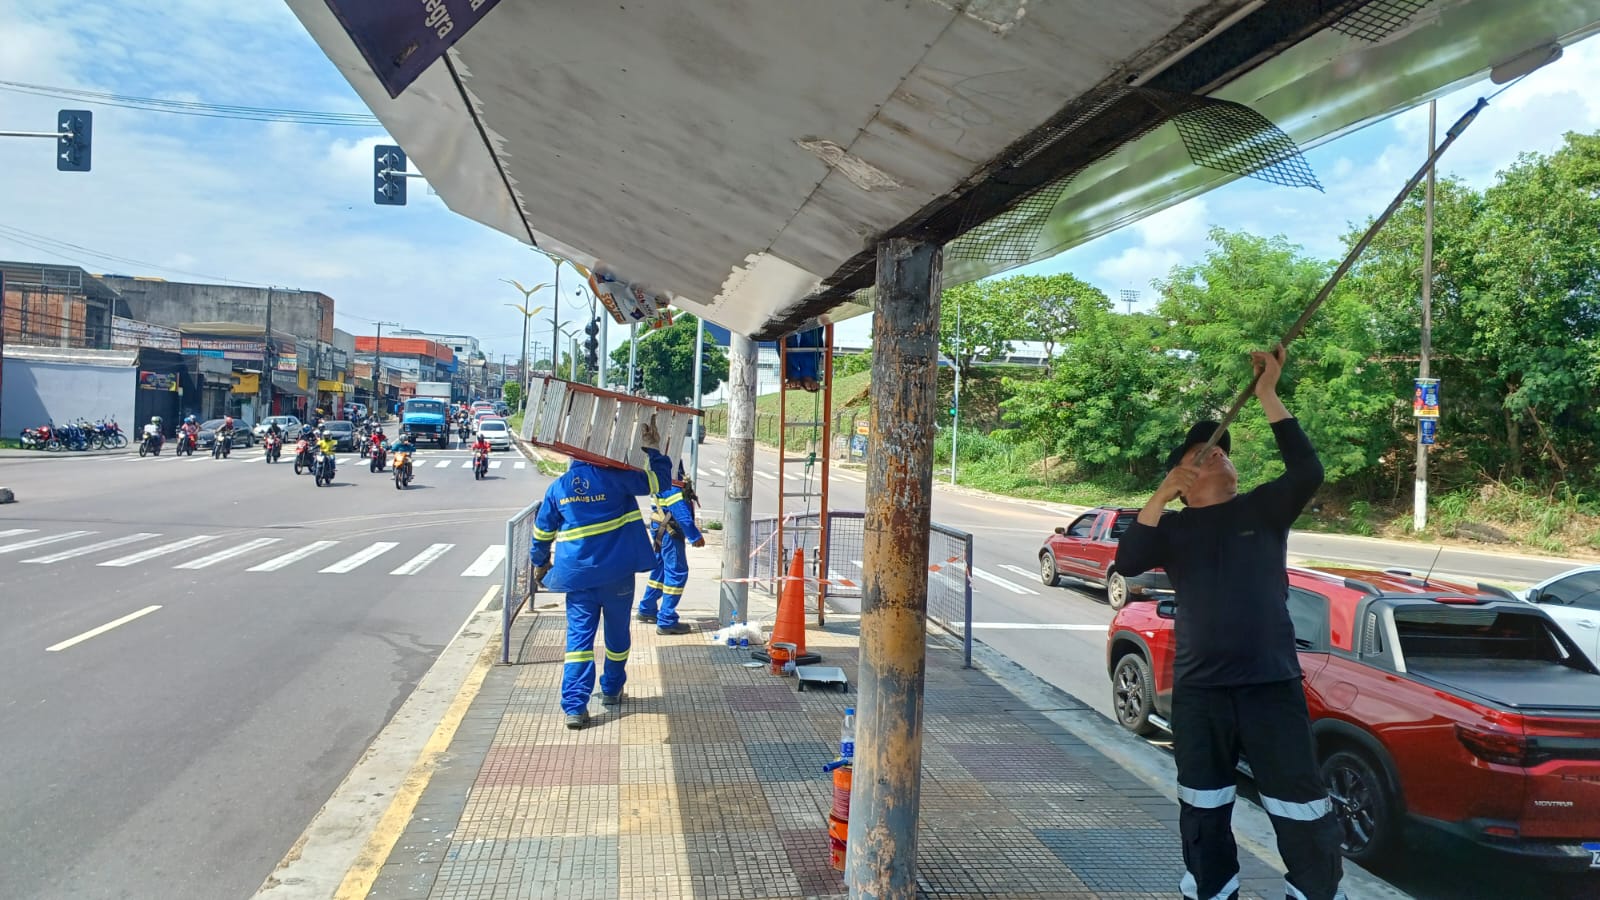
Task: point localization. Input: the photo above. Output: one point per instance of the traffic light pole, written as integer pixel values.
(955, 400)
(74, 129)
(633, 357)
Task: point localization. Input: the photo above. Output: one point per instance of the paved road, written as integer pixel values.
(1059, 633)
(180, 753)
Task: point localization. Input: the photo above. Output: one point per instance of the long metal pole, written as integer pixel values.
(737, 507)
(955, 403)
(555, 333)
(267, 348)
(699, 397)
(882, 854)
(633, 354)
(605, 347)
(1344, 266)
(1419, 512)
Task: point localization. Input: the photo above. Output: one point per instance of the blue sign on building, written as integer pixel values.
(400, 40)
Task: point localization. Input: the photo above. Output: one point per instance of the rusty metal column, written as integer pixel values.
(737, 507)
(894, 601)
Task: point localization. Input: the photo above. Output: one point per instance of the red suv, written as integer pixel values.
(1455, 706)
(1087, 550)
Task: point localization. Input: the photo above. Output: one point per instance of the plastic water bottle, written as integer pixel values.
(847, 735)
(733, 642)
(744, 637)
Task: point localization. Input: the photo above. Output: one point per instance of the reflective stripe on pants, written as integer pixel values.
(665, 586)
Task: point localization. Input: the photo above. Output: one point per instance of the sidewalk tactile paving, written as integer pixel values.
(707, 784)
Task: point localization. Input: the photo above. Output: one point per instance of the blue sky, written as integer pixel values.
(290, 205)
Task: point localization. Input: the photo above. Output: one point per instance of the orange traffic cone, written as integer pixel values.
(790, 627)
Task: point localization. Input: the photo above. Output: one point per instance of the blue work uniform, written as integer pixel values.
(599, 539)
(671, 571)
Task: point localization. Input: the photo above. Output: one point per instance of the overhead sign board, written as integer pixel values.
(131, 334)
(400, 39)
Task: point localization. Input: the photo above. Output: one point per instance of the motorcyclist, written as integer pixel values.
(326, 444)
(191, 431)
(403, 444)
(275, 431)
(379, 439)
(152, 430)
(480, 447)
(225, 433)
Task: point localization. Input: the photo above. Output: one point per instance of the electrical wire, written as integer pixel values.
(197, 108)
(76, 252)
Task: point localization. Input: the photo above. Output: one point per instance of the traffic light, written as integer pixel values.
(952, 410)
(389, 175)
(638, 380)
(74, 127)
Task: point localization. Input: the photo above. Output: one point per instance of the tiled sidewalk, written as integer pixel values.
(706, 783)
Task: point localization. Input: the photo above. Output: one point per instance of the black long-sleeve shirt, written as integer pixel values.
(1227, 566)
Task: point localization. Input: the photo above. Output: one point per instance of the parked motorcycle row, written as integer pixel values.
(79, 435)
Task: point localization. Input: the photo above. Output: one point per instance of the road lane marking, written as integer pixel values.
(520, 465)
(229, 553)
(718, 472)
(11, 531)
(1037, 626)
(41, 541)
(487, 562)
(356, 560)
(766, 476)
(465, 465)
(494, 464)
(91, 548)
(419, 562)
(293, 556)
(162, 550)
(445, 464)
(96, 632)
(1025, 573)
(996, 579)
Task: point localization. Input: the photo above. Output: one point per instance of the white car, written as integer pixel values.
(289, 425)
(1573, 600)
(496, 433)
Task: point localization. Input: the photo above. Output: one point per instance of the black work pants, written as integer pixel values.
(1269, 724)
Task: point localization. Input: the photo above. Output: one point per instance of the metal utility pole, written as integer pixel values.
(882, 856)
(268, 364)
(697, 423)
(605, 347)
(1419, 500)
(955, 402)
(633, 355)
(737, 506)
(1130, 297)
(377, 369)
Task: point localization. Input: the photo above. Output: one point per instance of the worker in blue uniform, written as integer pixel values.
(590, 518)
(672, 529)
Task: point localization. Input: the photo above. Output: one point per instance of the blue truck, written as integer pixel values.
(427, 417)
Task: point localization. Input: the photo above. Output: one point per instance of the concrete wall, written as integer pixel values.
(305, 314)
(36, 391)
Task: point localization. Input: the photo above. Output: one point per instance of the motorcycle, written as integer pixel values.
(379, 456)
(402, 470)
(222, 445)
(151, 444)
(187, 441)
(480, 465)
(323, 472)
(111, 435)
(302, 455)
(273, 447)
(41, 438)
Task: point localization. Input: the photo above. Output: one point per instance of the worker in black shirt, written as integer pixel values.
(1236, 675)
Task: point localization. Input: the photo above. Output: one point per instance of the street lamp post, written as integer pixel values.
(527, 313)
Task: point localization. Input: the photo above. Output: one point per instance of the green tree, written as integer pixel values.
(988, 320)
(1048, 308)
(512, 393)
(666, 357)
(853, 363)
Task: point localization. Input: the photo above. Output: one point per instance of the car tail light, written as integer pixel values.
(1503, 831)
(1502, 747)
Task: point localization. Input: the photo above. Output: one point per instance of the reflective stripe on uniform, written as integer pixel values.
(674, 591)
(617, 657)
(1211, 799)
(580, 656)
(663, 504)
(1191, 889)
(652, 583)
(1300, 812)
(583, 531)
(539, 534)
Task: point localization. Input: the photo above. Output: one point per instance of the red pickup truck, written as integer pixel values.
(1087, 550)
(1455, 706)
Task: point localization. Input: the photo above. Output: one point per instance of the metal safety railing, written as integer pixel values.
(517, 588)
(842, 563)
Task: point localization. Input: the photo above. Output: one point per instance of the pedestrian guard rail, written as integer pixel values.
(517, 588)
(840, 564)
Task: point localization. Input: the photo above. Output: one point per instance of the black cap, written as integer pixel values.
(1199, 433)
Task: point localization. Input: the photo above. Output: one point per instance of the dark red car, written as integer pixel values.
(1087, 550)
(1455, 706)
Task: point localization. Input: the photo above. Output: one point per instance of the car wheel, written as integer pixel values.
(1133, 694)
(1116, 589)
(1362, 803)
(1047, 570)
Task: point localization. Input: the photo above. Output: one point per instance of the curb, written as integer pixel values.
(1251, 827)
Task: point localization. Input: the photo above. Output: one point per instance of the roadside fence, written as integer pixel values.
(517, 588)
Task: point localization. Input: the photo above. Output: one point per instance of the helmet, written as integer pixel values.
(227, 421)
(156, 420)
(187, 419)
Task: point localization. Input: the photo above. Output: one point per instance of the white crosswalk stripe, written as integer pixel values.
(767, 476)
(487, 563)
(30, 543)
(1018, 570)
(996, 579)
(292, 557)
(87, 549)
(494, 464)
(163, 550)
(229, 553)
(523, 464)
(466, 465)
(419, 562)
(11, 531)
(357, 560)
(445, 464)
(718, 472)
